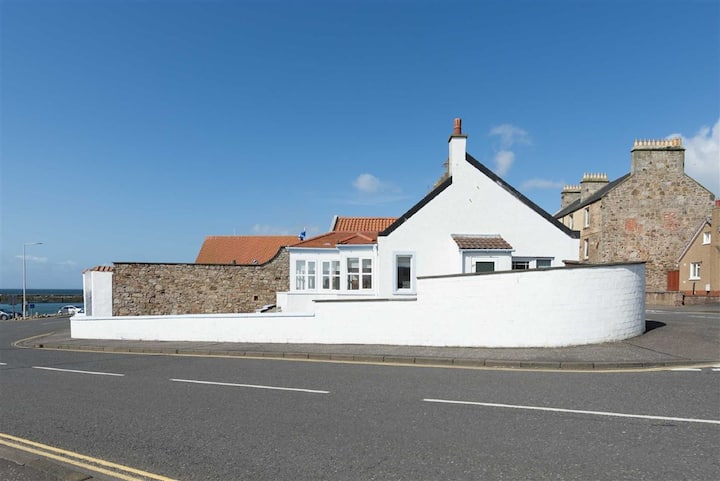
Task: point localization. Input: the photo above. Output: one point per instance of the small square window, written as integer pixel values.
(706, 237)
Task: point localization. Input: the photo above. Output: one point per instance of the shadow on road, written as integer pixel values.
(650, 325)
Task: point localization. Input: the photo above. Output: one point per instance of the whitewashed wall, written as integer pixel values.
(540, 308)
(97, 293)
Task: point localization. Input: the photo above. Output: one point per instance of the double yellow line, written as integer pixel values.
(96, 465)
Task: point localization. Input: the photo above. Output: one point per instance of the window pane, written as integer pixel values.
(366, 281)
(300, 267)
(353, 264)
(325, 268)
(543, 263)
(484, 266)
(403, 272)
(336, 267)
(367, 265)
(520, 265)
(353, 282)
(336, 283)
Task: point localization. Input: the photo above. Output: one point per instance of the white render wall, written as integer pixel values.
(97, 293)
(535, 308)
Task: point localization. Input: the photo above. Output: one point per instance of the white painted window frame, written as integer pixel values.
(707, 237)
(413, 277)
(695, 271)
(331, 274)
(360, 273)
(305, 276)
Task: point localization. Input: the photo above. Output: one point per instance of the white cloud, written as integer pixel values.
(369, 190)
(367, 183)
(265, 229)
(39, 260)
(702, 156)
(503, 161)
(510, 135)
(541, 184)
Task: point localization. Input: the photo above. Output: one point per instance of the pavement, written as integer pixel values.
(674, 337)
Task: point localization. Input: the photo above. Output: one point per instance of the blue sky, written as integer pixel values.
(130, 130)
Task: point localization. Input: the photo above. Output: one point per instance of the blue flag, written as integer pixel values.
(302, 235)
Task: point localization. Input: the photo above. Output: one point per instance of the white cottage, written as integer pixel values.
(472, 222)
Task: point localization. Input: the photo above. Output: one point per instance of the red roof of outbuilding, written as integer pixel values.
(242, 249)
(362, 224)
(332, 239)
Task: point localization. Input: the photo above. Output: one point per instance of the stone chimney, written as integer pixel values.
(591, 183)
(570, 194)
(457, 146)
(650, 156)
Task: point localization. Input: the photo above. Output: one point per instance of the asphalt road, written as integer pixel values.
(195, 418)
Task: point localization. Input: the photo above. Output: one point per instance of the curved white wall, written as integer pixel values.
(535, 308)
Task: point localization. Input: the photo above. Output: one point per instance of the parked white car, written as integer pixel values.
(69, 311)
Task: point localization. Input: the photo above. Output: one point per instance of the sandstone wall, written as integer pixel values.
(171, 289)
(651, 217)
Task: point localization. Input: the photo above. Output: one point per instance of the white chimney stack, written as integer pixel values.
(457, 145)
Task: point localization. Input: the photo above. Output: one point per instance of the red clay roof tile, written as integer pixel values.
(332, 239)
(362, 224)
(245, 250)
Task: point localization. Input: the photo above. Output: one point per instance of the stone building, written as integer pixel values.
(648, 214)
(698, 273)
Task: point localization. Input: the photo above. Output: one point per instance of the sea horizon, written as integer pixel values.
(19, 290)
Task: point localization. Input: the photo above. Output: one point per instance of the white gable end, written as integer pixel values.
(474, 203)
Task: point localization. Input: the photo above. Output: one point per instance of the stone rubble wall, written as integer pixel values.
(651, 217)
(174, 289)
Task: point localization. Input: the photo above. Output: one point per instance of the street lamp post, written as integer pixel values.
(24, 306)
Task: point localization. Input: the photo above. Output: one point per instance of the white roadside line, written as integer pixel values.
(686, 369)
(3, 364)
(254, 386)
(78, 372)
(576, 411)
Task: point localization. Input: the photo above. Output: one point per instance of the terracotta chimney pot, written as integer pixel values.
(457, 130)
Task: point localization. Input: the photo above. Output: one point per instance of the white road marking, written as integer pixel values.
(686, 369)
(3, 364)
(78, 372)
(575, 411)
(716, 369)
(254, 386)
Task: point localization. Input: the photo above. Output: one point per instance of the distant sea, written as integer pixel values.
(41, 308)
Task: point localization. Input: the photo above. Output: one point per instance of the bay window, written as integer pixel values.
(304, 275)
